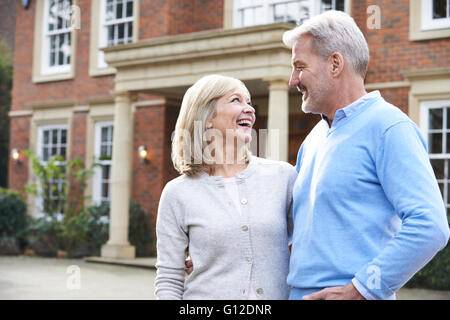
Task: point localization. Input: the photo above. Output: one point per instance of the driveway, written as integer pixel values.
(65, 279)
(49, 278)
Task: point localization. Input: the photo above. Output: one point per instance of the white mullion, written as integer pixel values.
(445, 182)
(116, 21)
(444, 131)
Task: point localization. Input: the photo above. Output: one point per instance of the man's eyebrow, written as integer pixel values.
(297, 62)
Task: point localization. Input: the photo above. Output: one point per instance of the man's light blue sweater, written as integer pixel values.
(367, 207)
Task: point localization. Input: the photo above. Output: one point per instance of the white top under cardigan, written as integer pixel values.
(229, 251)
(232, 188)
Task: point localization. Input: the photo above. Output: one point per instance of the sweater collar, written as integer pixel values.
(218, 180)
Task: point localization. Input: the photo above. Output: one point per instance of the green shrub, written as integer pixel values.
(84, 233)
(436, 274)
(141, 231)
(13, 221)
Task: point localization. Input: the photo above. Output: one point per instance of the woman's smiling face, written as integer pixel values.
(235, 114)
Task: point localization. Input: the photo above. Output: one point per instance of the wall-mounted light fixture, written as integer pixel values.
(15, 155)
(143, 154)
(26, 3)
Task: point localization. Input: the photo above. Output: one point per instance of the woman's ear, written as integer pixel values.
(209, 125)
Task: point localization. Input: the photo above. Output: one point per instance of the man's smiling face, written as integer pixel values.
(309, 76)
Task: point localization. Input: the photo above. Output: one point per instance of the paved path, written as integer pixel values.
(48, 278)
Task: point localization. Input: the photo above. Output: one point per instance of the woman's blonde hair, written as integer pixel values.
(197, 108)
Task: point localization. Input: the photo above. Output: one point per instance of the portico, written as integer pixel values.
(167, 67)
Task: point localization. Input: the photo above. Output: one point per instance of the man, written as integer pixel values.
(368, 213)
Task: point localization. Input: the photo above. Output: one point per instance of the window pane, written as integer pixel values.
(439, 9)
(448, 194)
(435, 142)
(448, 143)
(106, 172)
(129, 8)
(54, 136)
(104, 134)
(109, 11)
(121, 34)
(52, 59)
(435, 118)
(104, 152)
(441, 187)
(46, 138)
(110, 35)
(119, 9)
(63, 136)
(130, 31)
(105, 190)
(63, 152)
(448, 116)
(247, 17)
(45, 154)
(438, 167)
(60, 58)
(326, 5)
(340, 5)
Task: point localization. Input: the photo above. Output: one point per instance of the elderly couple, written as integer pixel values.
(361, 209)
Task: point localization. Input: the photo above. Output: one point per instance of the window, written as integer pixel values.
(255, 12)
(116, 25)
(52, 141)
(435, 14)
(435, 121)
(57, 37)
(103, 155)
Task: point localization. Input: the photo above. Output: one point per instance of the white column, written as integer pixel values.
(278, 120)
(118, 246)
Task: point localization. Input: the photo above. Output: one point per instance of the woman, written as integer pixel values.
(230, 208)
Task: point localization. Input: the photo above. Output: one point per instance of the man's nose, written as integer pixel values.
(294, 80)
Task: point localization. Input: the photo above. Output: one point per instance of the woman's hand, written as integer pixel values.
(188, 263)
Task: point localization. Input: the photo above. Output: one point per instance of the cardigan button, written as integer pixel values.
(244, 228)
(244, 201)
(259, 291)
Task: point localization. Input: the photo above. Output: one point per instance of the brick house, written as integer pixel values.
(120, 68)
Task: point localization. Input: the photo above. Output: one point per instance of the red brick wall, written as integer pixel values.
(78, 89)
(391, 52)
(19, 139)
(169, 17)
(148, 177)
(78, 150)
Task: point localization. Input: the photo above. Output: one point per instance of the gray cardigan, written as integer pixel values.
(228, 250)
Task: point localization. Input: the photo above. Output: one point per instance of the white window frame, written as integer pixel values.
(39, 200)
(98, 180)
(315, 8)
(425, 106)
(427, 21)
(46, 69)
(103, 30)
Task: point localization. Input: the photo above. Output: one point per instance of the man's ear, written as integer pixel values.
(336, 63)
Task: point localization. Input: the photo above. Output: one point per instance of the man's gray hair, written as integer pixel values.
(334, 31)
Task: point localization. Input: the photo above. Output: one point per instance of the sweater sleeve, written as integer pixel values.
(172, 241)
(406, 176)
